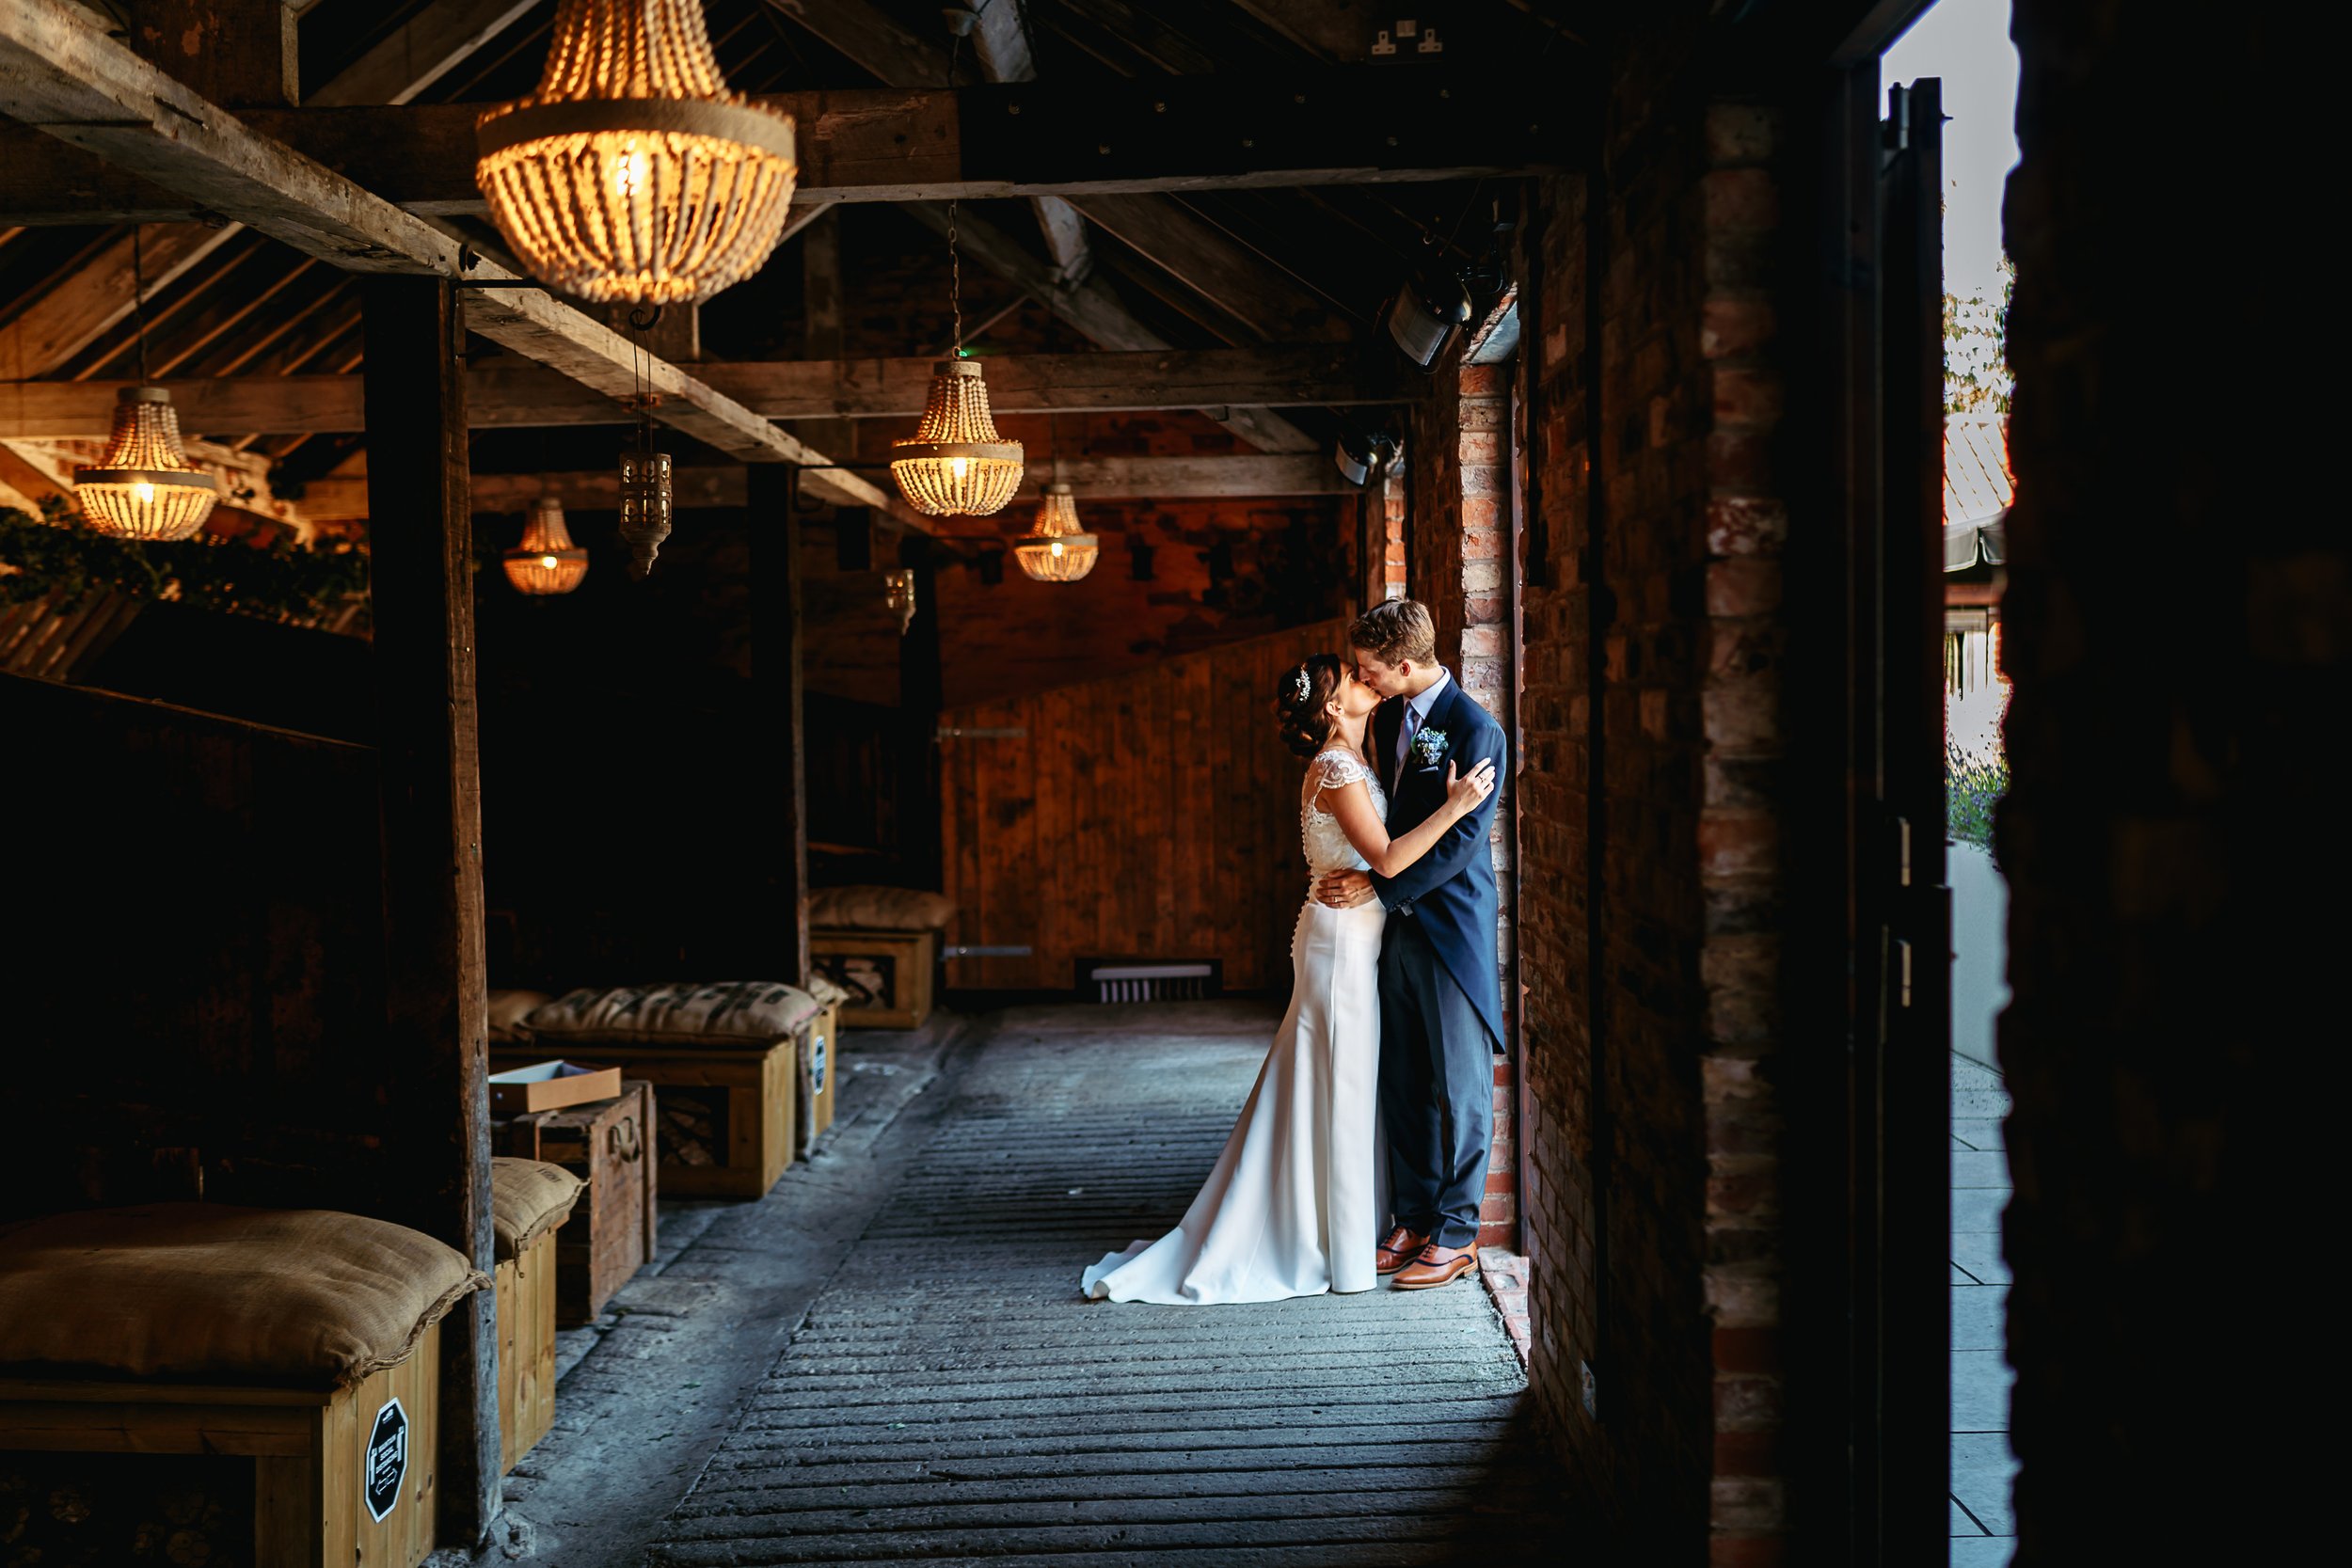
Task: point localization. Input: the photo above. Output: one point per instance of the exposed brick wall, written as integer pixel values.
(1650, 737)
(1459, 483)
(2172, 835)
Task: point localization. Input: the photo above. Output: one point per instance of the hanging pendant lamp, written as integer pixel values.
(632, 174)
(1056, 550)
(955, 464)
(144, 487)
(547, 560)
(644, 500)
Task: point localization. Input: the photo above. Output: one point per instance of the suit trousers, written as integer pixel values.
(1436, 1089)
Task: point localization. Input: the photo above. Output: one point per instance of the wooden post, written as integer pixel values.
(919, 703)
(436, 1000)
(779, 715)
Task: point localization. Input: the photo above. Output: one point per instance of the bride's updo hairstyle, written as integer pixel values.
(1302, 696)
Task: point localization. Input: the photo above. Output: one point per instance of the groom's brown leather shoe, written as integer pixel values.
(1396, 1249)
(1438, 1265)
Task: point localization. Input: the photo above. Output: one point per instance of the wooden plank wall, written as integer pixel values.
(1152, 814)
(194, 940)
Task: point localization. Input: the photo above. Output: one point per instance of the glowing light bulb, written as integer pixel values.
(631, 173)
(144, 492)
(1057, 549)
(548, 561)
(959, 465)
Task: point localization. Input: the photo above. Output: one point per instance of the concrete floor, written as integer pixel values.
(1984, 1526)
(886, 1360)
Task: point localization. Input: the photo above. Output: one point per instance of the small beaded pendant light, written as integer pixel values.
(633, 173)
(955, 464)
(1056, 550)
(144, 487)
(547, 560)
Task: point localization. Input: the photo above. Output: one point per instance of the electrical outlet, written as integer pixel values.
(1592, 1393)
(1429, 44)
(1384, 45)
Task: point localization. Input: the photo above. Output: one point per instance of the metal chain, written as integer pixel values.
(955, 283)
(138, 300)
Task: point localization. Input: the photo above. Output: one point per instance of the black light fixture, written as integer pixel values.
(1360, 454)
(1426, 314)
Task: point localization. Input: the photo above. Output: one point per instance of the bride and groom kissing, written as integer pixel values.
(1361, 1150)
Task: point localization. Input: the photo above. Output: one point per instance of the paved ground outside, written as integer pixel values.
(1983, 1529)
(887, 1360)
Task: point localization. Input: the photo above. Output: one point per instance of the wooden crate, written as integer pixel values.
(745, 1093)
(308, 1449)
(610, 1145)
(526, 1300)
(887, 974)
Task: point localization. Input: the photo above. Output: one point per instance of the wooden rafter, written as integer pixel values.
(60, 71)
(782, 389)
(997, 139)
(419, 51)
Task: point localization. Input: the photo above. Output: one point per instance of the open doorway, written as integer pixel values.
(1964, 45)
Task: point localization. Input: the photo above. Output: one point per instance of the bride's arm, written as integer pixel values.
(1388, 857)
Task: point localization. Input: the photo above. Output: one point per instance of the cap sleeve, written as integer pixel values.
(1337, 770)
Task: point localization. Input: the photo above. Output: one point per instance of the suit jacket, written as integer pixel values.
(1451, 890)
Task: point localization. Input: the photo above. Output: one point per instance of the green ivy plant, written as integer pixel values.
(1973, 784)
(275, 582)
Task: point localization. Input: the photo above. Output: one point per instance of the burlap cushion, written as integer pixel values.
(208, 1293)
(880, 909)
(508, 1008)
(828, 991)
(528, 1199)
(729, 1010)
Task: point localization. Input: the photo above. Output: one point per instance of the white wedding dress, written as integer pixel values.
(1294, 1205)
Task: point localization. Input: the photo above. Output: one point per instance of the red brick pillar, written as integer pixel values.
(1460, 474)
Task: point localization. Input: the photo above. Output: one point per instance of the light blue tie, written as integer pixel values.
(1405, 744)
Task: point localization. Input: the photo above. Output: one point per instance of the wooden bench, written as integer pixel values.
(887, 974)
(124, 1331)
(740, 1096)
(530, 1200)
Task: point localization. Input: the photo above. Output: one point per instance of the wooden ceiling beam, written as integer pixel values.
(60, 71)
(507, 395)
(1252, 476)
(1000, 39)
(893, 144)
(419, 51)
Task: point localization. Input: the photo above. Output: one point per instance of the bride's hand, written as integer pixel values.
(1466, 794)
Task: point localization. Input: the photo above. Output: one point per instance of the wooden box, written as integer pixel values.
(612, 1147)
(821, 1063)
(726, 1112)
(526, 1288)
(550, 1086)
(887, 974)
(310, 1451)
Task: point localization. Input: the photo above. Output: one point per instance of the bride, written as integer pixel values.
(1292, 1207)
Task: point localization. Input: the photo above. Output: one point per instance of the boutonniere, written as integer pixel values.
(1428, 745)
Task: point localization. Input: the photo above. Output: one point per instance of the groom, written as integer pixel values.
(1440, 992)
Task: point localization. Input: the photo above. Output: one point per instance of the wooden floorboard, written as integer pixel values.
(950, 1398)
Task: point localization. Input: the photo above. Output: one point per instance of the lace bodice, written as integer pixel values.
(1328, 848)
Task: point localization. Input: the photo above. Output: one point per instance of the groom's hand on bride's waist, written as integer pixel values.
(1344, 890)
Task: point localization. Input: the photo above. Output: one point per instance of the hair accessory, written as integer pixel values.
(1302, 687)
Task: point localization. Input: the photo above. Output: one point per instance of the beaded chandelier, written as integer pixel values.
(956, 464)
(145, 487)
(1056, 550)
(632, 174)
(547, 561)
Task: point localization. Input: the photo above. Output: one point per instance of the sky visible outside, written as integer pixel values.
(1966, 42)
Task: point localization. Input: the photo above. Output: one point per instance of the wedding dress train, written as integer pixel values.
(1294, 1204)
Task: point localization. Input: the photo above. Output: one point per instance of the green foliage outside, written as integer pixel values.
(1976, 350)
(278, 582)
(1973, 786)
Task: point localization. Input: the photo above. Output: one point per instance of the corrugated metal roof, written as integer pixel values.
(1976, 482)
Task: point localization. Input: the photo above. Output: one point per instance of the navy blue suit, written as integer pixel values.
(1440, 989)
